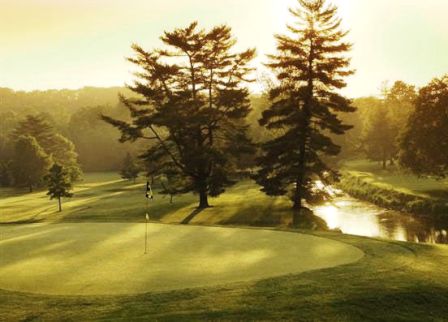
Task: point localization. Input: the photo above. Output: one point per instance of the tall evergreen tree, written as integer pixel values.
(30, 162)
(192, 104)
(54, 144)
(310, 66)
(37, 127)
(59, 184)
(424, 145)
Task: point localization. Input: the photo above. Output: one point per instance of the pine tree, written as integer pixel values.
(130, 169)
(37, 127)
(310, 67)
(192, 104)
(30, 162)
(424, 145)
(59, 184)
(61, 149)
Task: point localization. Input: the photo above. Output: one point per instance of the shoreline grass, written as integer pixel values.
(395, 190)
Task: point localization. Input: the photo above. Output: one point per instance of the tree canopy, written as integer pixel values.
(424, 145)
(192, 104)
(30, 162)
(59, 183)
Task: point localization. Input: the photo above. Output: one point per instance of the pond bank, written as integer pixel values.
(356, 186)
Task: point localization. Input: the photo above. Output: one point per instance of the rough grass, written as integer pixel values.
(395, 189)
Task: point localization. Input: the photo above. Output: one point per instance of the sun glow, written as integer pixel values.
(71, 44)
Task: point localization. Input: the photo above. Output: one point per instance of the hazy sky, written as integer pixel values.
(74, 43)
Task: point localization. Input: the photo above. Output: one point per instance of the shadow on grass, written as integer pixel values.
(438, 194)
(362, 291)
(190, 217)
(22, 222)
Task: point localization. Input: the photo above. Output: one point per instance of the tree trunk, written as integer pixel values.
(297, 203)
(384, 163)
(203, 195)
(296, 217)
(303, 141)
(171, 198)
(31, 188)
(59, 204)
(203, 199)
(297, 196)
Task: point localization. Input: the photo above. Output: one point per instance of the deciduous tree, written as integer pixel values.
(379, 136)
(424, 145)
(30, 162)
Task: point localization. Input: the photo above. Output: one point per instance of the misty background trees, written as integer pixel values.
(424, 145)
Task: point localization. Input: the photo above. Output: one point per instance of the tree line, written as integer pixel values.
(192, 103)
(36, 148)
(190, 117)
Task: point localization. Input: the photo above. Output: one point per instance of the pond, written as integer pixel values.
(356, 217)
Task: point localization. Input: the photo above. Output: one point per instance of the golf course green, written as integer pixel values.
(101, 258)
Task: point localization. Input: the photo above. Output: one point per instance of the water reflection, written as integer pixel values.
(360, 218)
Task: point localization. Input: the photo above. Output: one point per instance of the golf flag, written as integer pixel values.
(149, 194)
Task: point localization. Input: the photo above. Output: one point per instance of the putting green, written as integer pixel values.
(100, 258)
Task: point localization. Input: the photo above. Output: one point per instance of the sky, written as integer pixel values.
(54, 44)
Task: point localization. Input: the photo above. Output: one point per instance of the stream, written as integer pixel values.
(356, 217)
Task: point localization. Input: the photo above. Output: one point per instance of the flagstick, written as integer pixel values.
(146, 236)
(146, 227)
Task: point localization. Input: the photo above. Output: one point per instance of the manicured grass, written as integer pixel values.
(395, 189)
(60, 259)
(393, 282)
(104, 197)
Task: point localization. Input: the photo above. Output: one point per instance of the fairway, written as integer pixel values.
(108, 258)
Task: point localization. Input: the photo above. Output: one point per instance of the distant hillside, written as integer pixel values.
(65, 101)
